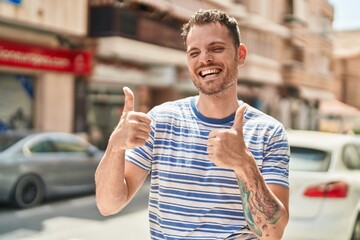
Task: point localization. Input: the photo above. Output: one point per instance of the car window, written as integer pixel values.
(351, 156)
(44, 146)
(7, 140)
(65, 144)
(308, 159)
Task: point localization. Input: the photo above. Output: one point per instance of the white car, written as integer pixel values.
(324, 186)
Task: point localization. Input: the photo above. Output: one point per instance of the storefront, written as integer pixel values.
(38, 86)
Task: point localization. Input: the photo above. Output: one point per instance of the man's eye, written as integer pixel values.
(194, 54)
(218, 49)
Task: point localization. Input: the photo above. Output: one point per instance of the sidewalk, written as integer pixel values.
(131, 226)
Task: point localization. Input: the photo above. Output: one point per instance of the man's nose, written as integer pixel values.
(206, 58)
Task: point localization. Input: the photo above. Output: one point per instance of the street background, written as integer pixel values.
(76, 218)
(63, 65)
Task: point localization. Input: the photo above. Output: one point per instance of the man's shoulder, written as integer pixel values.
(172, 106)
(177, 109)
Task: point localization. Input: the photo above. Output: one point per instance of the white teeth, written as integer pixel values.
(210, 71)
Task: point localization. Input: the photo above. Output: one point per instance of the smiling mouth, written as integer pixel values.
(210, 72)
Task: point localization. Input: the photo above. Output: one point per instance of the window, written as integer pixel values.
(308, 159)
(351, 156)
(290, 7)
(7, 141)
(65, 144)
(44, 146)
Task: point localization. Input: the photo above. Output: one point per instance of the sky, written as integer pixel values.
(346, 15)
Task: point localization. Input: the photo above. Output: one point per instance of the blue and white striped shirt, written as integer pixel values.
(190, 197)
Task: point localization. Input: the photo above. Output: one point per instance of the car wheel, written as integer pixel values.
(28, 192)
(356, 232)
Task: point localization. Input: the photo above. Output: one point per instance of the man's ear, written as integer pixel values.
(242, 53)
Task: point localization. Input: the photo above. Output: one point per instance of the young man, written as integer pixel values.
(219, 168)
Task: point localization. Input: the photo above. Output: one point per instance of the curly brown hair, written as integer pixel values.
(213, 16)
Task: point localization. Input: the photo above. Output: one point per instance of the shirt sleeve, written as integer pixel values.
(275, 168)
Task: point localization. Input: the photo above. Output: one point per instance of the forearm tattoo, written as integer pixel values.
(260, 209)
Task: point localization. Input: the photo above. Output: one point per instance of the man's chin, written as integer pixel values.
(218, 91)
(211, 92)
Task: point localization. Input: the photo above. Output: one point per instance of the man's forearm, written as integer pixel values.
(262, 210)
(111, 190)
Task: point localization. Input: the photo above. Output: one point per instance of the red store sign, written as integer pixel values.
(36, 57)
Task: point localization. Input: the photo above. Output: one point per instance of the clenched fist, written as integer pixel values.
(133, 128)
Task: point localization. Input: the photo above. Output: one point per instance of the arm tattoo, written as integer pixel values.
(259, 207)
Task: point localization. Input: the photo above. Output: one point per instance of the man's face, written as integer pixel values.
(212, 58)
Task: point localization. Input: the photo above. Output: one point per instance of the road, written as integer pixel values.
(75, 218)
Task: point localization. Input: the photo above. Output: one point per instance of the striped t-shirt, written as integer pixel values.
(190, 197)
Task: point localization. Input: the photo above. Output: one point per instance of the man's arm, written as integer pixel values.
(265, 206)
(117, 180)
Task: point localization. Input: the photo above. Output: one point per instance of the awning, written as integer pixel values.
(182, 9)
(315, 93)
(258, 69)
(160, 76)
(128, 49)
(334, 107)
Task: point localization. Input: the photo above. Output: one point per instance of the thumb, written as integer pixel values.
(129, 100)
(239, 116)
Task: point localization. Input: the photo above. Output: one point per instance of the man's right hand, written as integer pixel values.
(133, 128)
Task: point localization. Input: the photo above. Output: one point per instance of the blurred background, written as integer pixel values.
(63, 63)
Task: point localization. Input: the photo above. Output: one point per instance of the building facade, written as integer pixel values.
(42, 63)
(287, 72)
(308, 79)
(136, 44)
(110, 44)
(345, 64)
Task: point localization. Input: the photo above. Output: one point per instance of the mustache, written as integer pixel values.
(202, 65)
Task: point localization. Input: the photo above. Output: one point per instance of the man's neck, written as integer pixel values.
(217, 106)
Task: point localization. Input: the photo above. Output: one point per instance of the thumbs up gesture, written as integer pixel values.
(133, 128)
(226, 147)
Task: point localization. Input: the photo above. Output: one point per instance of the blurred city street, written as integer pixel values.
(75, 219)
(64, 65)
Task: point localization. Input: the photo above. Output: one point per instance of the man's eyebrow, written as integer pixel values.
(191, 49)
(210, 45)
(217, 42)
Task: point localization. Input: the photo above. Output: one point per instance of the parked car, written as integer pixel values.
(38, 166)
(324, 186)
